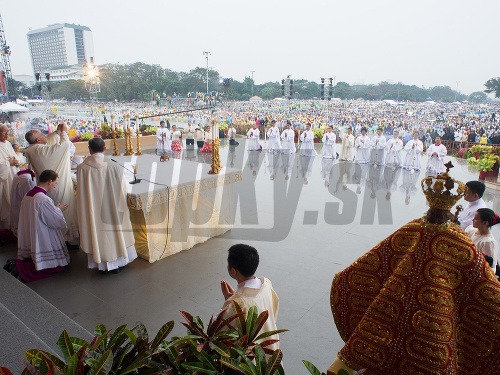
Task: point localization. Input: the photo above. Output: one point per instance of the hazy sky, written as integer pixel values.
(426, 42)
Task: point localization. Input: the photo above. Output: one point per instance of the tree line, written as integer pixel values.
(144, 82)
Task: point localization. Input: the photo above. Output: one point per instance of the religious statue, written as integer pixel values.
(422, 301)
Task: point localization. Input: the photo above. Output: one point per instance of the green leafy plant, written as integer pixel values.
(86, 136)
(485, 157)
(313, 370)
(230, 344)
(226, 343)
(318, 133)
(123, 351)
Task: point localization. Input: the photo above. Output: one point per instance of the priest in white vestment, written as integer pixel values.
(8, 169)
(362, 145)
(394, 146)
(253, 139)
(22, 183)
(347, 150)
(56, 157)
(55, 138)
(414, 149)
(103, 215)
(377, 144)
(41, 250)
(329, 142)
(273, 133)
(307, 139)
(163, 144)
(288, 139)
(436, 153)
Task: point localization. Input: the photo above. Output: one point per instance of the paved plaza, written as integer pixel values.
(306, 227)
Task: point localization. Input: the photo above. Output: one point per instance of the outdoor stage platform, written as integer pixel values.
(183, 207)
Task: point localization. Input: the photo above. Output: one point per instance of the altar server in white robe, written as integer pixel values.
(22, 183)
(307, 139)
(362, 145)
(253, 139)
(288, 139)
(163, 142)
(394, 146)
(436, 153)
(414, 149)
(273, 133)
(8, 169)
(347, 150)
(103, 215)
(329, 142)
(377, 144)
(41, 250)
(56, 157)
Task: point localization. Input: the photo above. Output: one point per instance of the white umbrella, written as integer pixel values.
(12, 107)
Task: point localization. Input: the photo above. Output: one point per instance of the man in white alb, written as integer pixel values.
(105, 228)
(329, 142)
(378, 146)
(273, 133)
(8, 169)
(393, 147)
(288, 139)
(253, 139)
(436, 153)
(347, 150)
(362, 145)
(473, 195)
(163, 145)
(307, 139)
(414, 149)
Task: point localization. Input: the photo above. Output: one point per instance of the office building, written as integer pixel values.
(63, 47)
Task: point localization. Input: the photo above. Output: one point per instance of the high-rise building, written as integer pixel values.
(59, 47)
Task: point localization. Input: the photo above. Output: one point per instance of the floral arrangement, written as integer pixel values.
(485, 157)
(318, 133)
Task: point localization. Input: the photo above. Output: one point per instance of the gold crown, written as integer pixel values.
(442, 191)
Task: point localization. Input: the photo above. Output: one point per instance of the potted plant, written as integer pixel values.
(486, 160)
(318, 135)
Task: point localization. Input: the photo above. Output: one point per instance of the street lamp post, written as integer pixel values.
(456, 91)
(252, 71)
(207, 53)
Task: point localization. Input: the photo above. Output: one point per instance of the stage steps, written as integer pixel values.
(27, 321)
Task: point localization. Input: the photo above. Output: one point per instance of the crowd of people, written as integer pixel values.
(394, 301)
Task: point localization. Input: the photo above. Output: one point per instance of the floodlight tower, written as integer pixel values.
(92, 80)
(6, 72)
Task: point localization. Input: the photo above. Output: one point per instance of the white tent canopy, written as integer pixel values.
(12, 107)
(21, 102)
(255, 99)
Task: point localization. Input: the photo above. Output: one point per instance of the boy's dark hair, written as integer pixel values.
(477, 187)
(47, 175)
(243, 258)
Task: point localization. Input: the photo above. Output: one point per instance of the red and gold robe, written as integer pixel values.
(423, 301)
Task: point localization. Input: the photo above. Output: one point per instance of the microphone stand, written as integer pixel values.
(136, 180)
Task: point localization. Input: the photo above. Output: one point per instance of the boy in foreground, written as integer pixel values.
(242, 263)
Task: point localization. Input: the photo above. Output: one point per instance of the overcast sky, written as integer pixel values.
(426, 42)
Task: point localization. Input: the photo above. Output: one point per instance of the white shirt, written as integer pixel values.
(465, 217)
